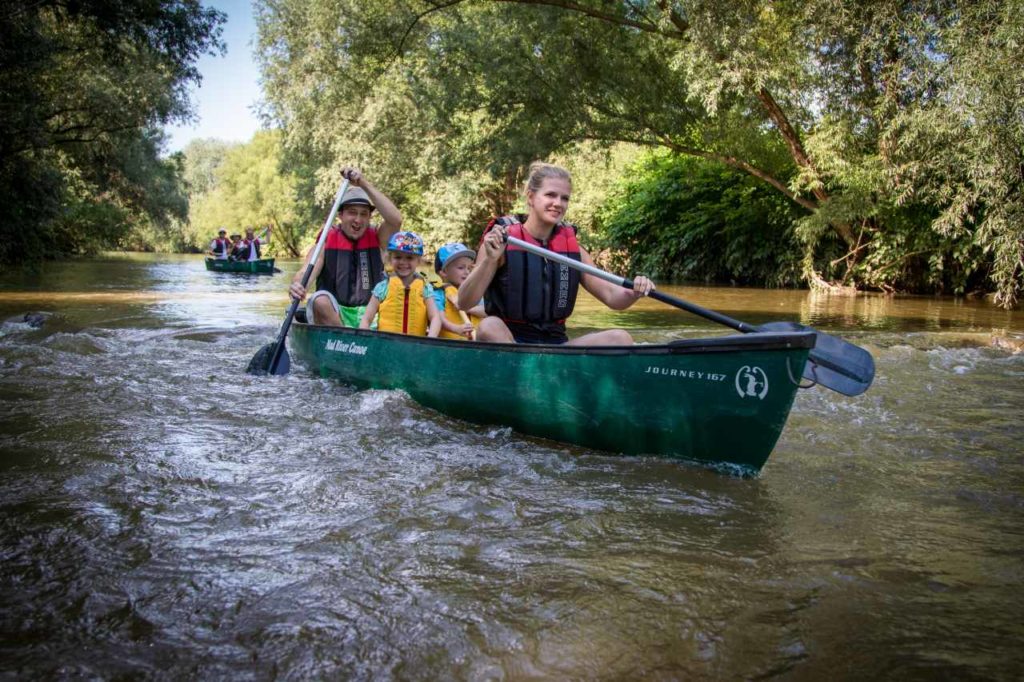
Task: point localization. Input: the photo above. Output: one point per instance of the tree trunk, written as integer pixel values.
(800, 156)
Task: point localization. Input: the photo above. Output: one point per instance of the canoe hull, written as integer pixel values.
(721, 401)
(263, 266)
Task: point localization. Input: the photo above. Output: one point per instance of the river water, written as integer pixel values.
(166, 515)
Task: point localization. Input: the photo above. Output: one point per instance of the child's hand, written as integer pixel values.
(467, 331)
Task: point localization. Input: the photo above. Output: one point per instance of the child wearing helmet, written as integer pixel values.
(453, 263)
(404, 301)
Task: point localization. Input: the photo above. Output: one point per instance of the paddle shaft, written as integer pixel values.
(463, 315)
(283, 334)
(628, 284)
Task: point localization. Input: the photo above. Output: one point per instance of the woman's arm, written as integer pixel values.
(612, 295)
(490, 258)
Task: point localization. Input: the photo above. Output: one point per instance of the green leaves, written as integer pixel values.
(683, 219)
(251, 185)
(83, 87)
(889, 127)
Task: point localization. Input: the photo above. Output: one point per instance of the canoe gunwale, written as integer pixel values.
(718, 344)
(262, 266)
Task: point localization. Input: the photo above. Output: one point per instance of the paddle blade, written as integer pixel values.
(833, 362)
(260, 363)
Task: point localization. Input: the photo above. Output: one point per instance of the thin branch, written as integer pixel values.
(421, 15)
(648, 27)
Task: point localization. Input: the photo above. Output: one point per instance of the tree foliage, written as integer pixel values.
(688, 219)
(84, 86)
(893, 127)
(251, 185)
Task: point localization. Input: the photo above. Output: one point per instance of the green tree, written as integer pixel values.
(688, 219)
(84, 85)
(255, 185)
(831, 103)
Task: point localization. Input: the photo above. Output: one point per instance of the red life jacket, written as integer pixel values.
(254, 246)
(220, 247)
(531, 289)
(351, 268)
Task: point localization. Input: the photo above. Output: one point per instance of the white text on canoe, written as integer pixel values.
(685, 373)
(343, 347)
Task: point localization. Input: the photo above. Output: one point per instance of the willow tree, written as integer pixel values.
(892, 125)
(251, 185)
(85, 86)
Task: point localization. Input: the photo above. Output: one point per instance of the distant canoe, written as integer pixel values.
(264, 266)
(721, 401)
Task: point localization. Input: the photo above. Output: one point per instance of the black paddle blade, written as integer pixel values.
(260, 363)
(833, 363)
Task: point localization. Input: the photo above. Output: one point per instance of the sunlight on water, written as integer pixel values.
(168, 515)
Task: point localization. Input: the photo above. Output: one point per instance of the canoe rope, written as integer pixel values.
(797, 381)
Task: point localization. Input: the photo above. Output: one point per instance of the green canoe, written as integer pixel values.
(721, 401)
(264, 266)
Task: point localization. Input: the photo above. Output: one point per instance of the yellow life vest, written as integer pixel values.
(451, 313)
(403, 311)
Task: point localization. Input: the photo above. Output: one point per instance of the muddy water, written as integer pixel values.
(166, 515)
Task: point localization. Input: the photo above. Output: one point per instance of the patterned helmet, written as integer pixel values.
(406, 242)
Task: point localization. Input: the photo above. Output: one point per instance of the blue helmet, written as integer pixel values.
(450, 252)
(406, 242)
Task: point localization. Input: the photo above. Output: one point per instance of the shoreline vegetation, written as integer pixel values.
(828, 144)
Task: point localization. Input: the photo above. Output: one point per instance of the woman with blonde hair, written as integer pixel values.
(528, 298)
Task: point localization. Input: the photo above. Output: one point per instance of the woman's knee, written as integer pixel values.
(493, 329)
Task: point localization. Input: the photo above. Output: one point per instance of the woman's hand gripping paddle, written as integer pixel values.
(273, 357)
(833, 362)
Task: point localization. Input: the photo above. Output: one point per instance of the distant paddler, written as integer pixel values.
(253, 245)
(238, 251)
(221, 246)
(350, 264)
(528, 298)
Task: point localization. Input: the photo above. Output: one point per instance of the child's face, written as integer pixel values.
(404, 264)
(458, 270)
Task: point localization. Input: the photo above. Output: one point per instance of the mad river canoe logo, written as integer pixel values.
(343, 347)
(751, 382)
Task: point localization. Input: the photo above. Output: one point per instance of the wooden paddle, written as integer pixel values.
(273, 357)
(462, 314)
(833, 362)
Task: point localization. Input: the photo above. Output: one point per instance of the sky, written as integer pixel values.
(225, 102)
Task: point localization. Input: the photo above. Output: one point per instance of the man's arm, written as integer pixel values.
(391, 217)
(296, 290)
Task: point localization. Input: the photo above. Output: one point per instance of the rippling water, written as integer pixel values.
(167, 515)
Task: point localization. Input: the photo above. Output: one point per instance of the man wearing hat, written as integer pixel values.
(220, 246)
(350, 264)
(238, 250)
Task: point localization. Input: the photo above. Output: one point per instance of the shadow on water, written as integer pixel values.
(165, 514)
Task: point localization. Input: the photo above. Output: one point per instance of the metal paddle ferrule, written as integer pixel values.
(834, 363)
